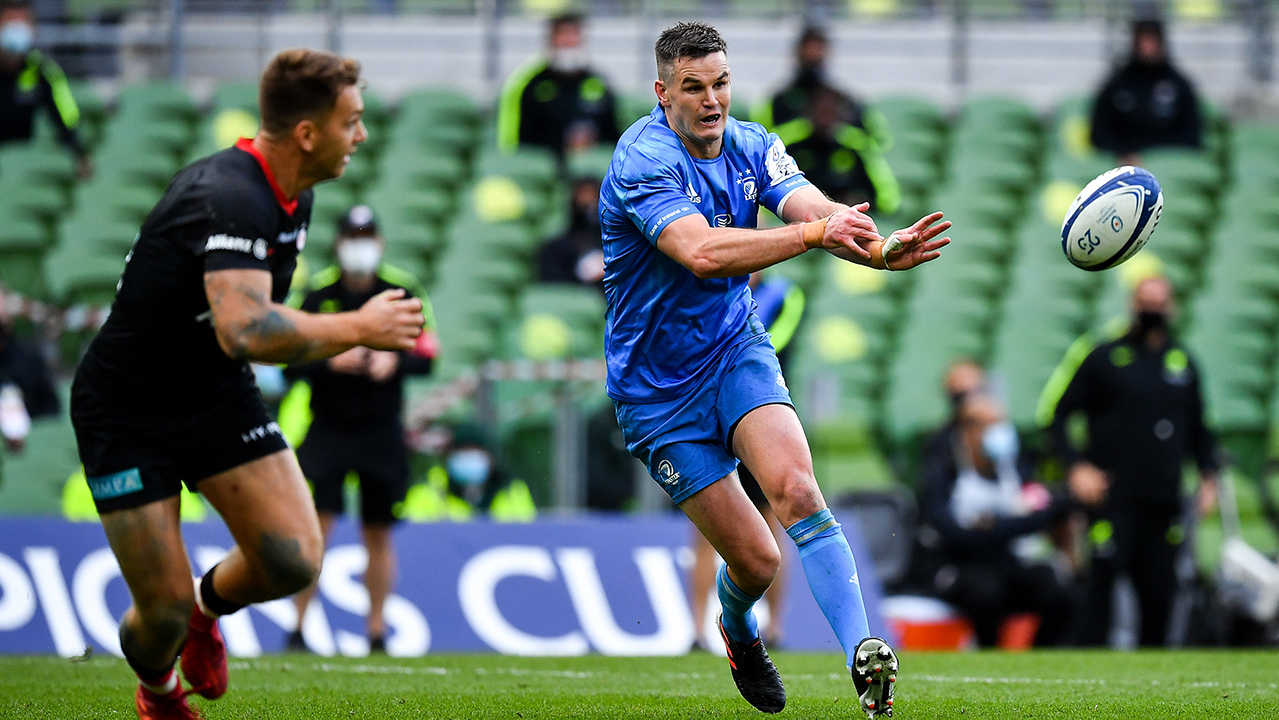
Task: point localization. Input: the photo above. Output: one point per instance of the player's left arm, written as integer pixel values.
(249, 325)
(906, 248)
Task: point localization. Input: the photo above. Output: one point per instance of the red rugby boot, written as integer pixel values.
(204, 656)
(169, 706)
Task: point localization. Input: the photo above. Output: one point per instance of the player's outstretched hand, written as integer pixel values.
(851, 229)
(917, 244)
(391, 321)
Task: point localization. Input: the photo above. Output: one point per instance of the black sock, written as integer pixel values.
(210, 598)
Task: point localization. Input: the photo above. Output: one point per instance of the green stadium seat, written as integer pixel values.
(532, 167)
(1183, 169)
(74, 276)
(475, 239)
(1002, 114)
(160, 101)
(23, 244)
(911, 114)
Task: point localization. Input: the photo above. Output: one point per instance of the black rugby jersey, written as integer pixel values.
(157, 349)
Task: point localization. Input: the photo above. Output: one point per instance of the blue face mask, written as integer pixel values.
(16, 37)
(1000, 442)
(469, 467)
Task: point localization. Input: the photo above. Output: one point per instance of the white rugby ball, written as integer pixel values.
(1112, 218)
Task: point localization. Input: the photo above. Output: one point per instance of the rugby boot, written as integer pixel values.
(169, 706)
(875, 675)
(204, 656)
(756, 676)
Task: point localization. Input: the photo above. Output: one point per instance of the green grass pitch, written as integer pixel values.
(1065, 684)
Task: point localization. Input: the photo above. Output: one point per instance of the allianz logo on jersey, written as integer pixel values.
(298, 236)
(257, 248)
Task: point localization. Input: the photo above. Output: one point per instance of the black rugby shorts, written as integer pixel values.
(132, 458)
(377, 456)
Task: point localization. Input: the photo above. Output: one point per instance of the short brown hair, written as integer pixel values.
(299, 84)
(686, 40)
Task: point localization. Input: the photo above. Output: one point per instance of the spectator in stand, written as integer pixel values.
(1140, 396)
(1147, 102)
(357, 399)
(977, 494)
(577, 256)
(556, 100)
(26, 388)
(470, 481)
(837, 141)
(843, 157)
(29, 80)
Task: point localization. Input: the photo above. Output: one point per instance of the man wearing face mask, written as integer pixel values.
(975, 495)
(357, 399)
(1147, 102)
(1140, 396)
(557, 101)
(29, 80)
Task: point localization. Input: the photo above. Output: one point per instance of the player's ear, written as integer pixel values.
(659, 87)
(307, 134)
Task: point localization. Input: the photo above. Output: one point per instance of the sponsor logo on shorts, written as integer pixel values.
(666, 473)
(260, 432)
(781, 381)
(107, 487)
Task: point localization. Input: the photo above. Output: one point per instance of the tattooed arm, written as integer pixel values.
(249, 326)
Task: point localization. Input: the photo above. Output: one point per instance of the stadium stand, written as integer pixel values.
(468, 220)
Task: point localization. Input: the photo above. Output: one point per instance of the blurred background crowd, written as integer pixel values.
(1081, 451)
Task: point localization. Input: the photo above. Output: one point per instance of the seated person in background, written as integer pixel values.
(577, 256)
(1147, 102)
(975, 493)
(26, 387)
(557, 101)
(357, 399)
(29, 80)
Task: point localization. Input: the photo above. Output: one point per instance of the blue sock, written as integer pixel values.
(739, 621)
(832, 576)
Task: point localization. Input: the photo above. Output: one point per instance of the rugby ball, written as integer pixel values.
(1112, 218)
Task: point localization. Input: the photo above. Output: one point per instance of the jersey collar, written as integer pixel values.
(246, 144)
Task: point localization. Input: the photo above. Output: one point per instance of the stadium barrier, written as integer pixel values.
(608, 585)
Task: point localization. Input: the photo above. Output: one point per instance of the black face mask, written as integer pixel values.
(1149, 321)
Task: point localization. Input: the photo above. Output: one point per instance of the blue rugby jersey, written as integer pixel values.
(664, 324)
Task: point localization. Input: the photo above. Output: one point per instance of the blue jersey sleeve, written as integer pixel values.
(782, 176)
(652, 195)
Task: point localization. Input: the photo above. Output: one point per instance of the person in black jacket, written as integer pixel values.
(28, 81)
(1147, 102)
(356, 401)
(556, 100)
(977, 496)
(1140, 395)
(577, 256)
(26, 388)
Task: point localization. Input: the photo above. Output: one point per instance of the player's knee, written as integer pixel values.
(798, 495)
(290, 563)
(758, 568)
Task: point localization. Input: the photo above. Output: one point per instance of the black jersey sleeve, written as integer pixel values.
(239, 229)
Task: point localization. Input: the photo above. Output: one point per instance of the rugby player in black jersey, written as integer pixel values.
(165, 393)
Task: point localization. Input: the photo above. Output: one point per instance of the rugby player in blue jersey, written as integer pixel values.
(691, 370)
